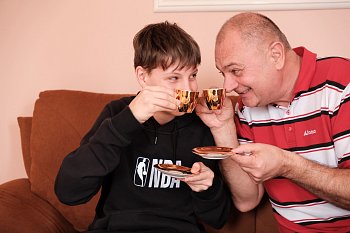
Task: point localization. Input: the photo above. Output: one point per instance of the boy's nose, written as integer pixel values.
(186, 86)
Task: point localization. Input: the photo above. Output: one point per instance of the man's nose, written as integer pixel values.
(230, 84)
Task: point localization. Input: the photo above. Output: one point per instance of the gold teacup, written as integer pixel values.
(188, 100)
(214, 97)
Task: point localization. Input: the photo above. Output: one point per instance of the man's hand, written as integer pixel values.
(267, 162)
(264, 163)
(215, 118)
(220, 122)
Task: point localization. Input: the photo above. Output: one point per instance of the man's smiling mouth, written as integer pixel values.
(243, 91)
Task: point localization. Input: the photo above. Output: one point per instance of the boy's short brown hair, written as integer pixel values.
(165, 44)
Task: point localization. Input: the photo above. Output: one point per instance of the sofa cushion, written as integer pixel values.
(60, 119)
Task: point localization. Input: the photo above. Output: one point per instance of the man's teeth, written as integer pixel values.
(243, 92)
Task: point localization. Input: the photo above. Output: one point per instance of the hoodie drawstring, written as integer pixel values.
(155, 134)
(174, 139)
(174, 135)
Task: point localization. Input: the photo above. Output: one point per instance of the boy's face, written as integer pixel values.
(173, 78)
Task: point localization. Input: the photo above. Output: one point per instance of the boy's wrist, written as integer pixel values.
(212, 191)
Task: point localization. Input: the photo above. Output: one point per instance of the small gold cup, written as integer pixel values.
(188, 100)
(214, 97)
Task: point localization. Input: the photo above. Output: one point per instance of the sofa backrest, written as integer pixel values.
(60, 119)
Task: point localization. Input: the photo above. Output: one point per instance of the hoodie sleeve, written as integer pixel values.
(82, 171)
(213, 205)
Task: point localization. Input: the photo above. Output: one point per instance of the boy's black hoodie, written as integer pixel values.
(118, 153)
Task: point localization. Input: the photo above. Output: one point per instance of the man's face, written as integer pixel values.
(247, 70)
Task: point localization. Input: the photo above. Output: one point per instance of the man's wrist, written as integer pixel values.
(225, 135)
(228, 126)
(290, 164)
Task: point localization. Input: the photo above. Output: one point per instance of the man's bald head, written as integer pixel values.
(253, 28)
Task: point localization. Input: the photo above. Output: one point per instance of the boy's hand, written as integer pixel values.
(201, 179)
(152, 99)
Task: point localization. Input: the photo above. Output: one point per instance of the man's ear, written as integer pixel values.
(277, 54)
(141, 76)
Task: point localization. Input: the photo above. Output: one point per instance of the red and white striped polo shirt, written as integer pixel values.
(316, 125)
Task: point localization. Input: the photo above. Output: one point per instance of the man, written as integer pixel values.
(292, 117)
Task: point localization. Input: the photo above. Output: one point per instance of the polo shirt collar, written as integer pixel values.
(307, 70)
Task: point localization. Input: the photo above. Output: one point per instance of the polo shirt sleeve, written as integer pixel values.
(340, 122)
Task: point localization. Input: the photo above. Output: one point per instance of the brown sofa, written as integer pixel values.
(60, 119)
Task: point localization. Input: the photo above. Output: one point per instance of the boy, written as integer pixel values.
(135, 133)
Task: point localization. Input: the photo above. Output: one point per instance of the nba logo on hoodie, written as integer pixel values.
(141, 171)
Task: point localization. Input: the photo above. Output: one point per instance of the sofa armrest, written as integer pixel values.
(23, 211)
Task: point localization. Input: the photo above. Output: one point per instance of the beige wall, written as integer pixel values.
(86, 45)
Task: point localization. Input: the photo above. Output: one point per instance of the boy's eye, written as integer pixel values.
(173, 78)
(193, 76)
